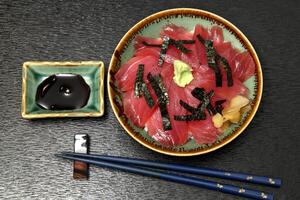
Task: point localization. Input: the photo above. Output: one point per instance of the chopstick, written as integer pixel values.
(225, 188)
(274, 182)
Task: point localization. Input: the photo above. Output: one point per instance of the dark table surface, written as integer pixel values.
(90, 30)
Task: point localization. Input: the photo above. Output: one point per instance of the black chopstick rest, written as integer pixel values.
(81, 145)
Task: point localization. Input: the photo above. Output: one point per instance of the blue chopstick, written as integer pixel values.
(274, 182)
(230, 189)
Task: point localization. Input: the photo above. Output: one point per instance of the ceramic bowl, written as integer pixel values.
(188, 18)
(35, 72)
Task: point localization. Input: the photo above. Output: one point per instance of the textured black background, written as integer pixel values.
(90, 30)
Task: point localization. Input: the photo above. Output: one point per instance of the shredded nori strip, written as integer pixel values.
(211, 60)
(189, 108)
(163, 51)
(212, 57)
(165, 44)
(192, 117)
(211, 110)
(162, 87)
(206, 100)
(138, 90)
(218, 106)
(227, 69)
(162, 100)
(199, 112)
(151, 45)
(179, 45)
(147, 95)
(198, 93)
(186, 41)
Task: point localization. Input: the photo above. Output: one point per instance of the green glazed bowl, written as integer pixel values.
(188, 18)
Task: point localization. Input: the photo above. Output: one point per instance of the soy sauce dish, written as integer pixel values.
(62, 89)
(184, 82)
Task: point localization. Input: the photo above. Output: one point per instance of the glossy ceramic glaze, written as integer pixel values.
(188, 18)
(35, 73)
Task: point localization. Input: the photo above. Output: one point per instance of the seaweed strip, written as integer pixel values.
(151, 45)
(162, 101)
(218, 106)
(206, 101)
(211, 60)
(211, 110)
(192, 117)
(147, 95)
(138, 90)
(188, 107)
(179, 46)
(186, 41)
(199, 112)
(198, 93)
(227, 69)
(200, 38)
(162, 87)
(212, 56)
(163, 51)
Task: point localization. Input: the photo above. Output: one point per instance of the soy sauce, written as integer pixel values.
(63, 92)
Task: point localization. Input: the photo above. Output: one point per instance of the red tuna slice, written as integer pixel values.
(225, 50)
(204, 77)
(216, 35)
(126, 77)
(250, 67)
(138, 41)
(200, 51)
(243, 66)
(171, 55)
(147, 51)
(179, 133)
(203, 131)
(137, 109)
(176, 32)
(228, 93)
(155, 130)
(124, 68)
(203, 32)
(192, 59)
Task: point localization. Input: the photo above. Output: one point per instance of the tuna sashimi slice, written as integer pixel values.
(204, 131)
(199, 47)
(243, 66)
(241, 63)
(228, 93)
(179, 133)
(216, 35)
(136, 109)
(138, 41)
(154, 128)
(176, 32)
(147, 51)
(127, 74)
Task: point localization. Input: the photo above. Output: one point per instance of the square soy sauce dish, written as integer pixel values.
(62, 89)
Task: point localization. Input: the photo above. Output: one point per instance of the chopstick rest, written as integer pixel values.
(81, 145)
